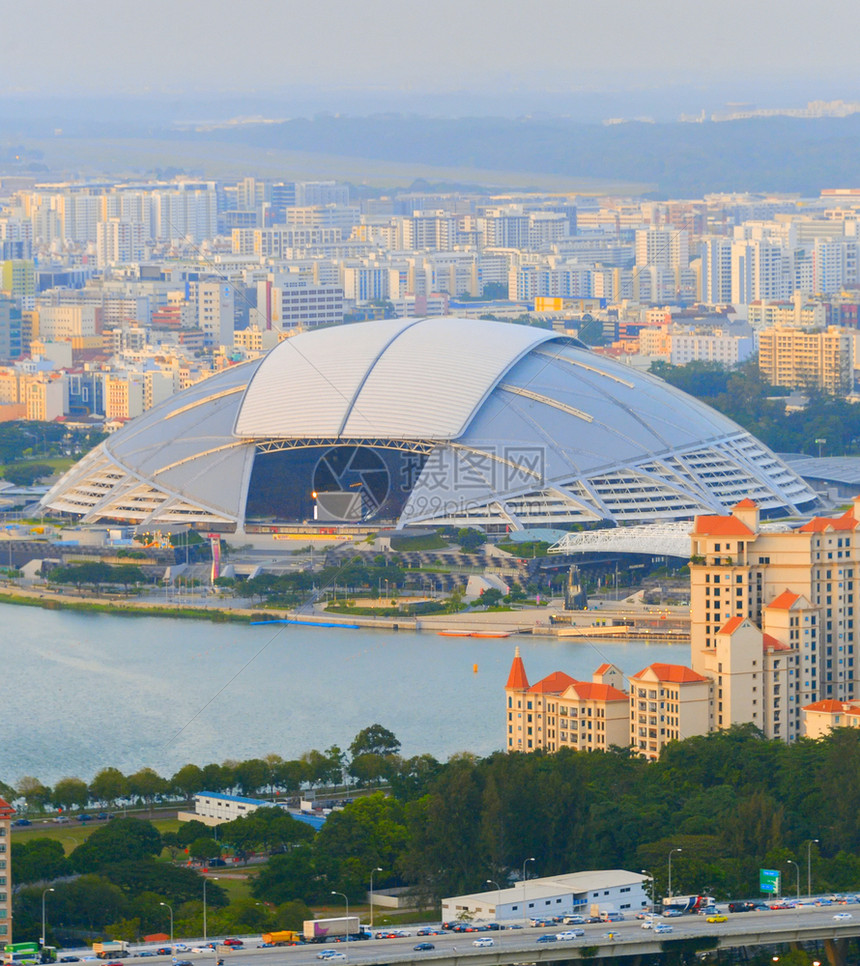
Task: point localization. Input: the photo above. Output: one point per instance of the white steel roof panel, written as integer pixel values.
(306, 385)
(395, 379)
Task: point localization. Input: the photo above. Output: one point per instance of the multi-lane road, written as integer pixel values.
(522, 946)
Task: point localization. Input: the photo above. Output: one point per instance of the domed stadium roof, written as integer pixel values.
(427, 420)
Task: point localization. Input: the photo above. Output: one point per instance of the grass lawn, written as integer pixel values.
(59, 464)
(73, 834)
(235, 888)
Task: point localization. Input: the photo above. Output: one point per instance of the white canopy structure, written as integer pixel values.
(427, 421)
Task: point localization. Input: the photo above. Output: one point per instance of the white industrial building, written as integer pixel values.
(585, 893)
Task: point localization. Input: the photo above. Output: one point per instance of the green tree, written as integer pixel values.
(188, 781)
(39, 860)
(120, 840)
(70, 793)
(470, 540)
(147, 785)
(491, 597)
(204, 848)
(374, 740)
(34, 793)
(252, 775)
(108, 786)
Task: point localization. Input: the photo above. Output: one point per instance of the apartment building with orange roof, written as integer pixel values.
(668, 702)
(821, 717)
(6, 814)
(797, 586)
(561, 712)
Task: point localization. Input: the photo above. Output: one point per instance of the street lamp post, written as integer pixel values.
(499, 895)
(524, 885)
(670, 870)
(43, 914)
(170, 910)
(797, 870)
(205, 882)
(820, 443)
(809, 866)
(346, 900)
(377, 869)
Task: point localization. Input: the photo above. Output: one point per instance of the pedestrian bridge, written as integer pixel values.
(659, 539)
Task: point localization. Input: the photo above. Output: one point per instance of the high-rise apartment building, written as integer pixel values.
(6, 813)
(807, 360)
(797, 588)
(668, 702)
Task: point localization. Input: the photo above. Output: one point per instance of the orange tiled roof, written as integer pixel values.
(589, 691)
(746, 504)
(769, 642)
(517, 678)
(603, 668)
(731, 625)
(6, 810)
(785, 600)
(673, 673)
(553, 683)
(830, 706)
(717, 526)
(820, 524)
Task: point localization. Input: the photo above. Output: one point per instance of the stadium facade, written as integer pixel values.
(426, 421)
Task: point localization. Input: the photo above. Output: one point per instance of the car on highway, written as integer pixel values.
(717, 917)
(574, 920)
(70, 959)
(842, 915)
(568, 934)
(430, 932)
(181, 948)
(663, 927)
(330, 954)
(648, 924)
(548, 938)
(232, 942)
(672, 913)
(176, 962)
(423, 947)
(484, 941)
(164, 951)
(22, 821)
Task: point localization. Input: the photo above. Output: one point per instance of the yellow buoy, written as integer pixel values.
(475, 668)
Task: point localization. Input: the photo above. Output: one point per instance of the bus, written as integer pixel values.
(28, 954)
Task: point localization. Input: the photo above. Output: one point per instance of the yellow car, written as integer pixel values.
(719, 917)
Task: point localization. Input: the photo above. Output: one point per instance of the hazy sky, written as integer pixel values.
(115, 46)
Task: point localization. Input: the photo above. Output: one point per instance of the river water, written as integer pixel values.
(84, 691)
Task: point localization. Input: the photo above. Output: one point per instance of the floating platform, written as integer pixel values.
(474, 633)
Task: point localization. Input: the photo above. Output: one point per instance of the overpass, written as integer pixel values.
(805, 924)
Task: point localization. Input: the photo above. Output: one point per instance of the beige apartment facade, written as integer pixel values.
(6, 814)
(561, 712)
(798, 587)
(668, 702)
(807, 360)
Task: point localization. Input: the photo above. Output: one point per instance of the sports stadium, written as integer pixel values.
(429, 421)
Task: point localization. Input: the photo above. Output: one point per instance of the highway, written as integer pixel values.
(805, 923)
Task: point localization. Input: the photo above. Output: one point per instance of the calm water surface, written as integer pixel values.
(85, 691)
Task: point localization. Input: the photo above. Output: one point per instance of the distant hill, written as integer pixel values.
(684, 160)
(778, 154)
